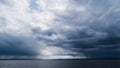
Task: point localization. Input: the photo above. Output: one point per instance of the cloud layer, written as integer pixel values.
(59, 29)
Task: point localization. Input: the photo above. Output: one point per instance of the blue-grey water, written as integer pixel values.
(59, 63)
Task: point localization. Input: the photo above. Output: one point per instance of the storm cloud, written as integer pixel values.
(59, 29)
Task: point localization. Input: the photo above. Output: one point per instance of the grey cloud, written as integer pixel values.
(2, 22)
(103, 51)
(3, 1)
(6, 2)
(92, 31)
(101, 31)
(11, 45)
(34, 6)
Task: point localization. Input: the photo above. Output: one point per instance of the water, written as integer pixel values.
(59, 63)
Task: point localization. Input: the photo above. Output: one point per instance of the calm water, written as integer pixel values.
(59, 63)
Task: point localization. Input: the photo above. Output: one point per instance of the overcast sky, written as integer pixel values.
(59, 29)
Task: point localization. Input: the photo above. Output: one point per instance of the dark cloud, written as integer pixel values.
(103, 30)
(15, 46)
(103, 51)
(90, 28)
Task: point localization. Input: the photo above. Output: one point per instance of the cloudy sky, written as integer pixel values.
(59, 29)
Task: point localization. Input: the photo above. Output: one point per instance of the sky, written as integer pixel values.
(59, 29)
